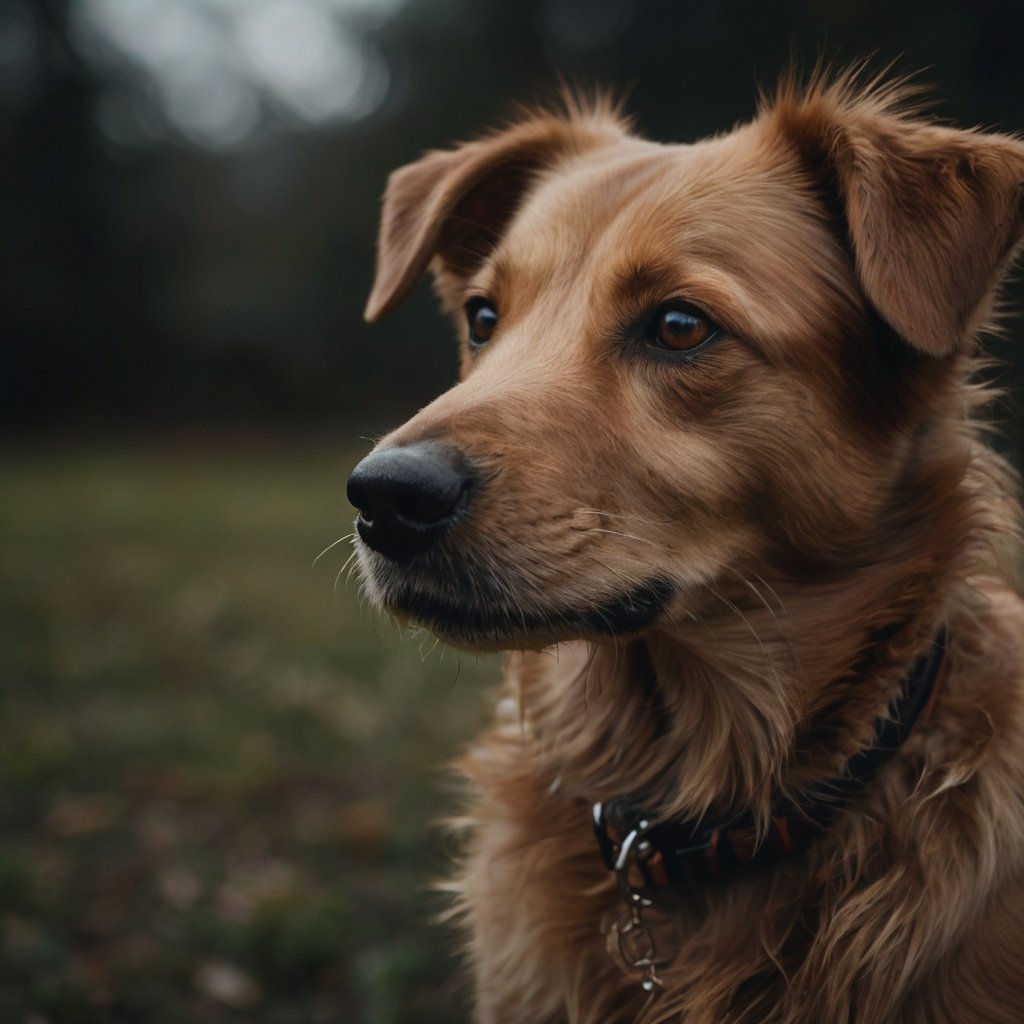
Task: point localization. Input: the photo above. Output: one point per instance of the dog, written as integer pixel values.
(716, 473)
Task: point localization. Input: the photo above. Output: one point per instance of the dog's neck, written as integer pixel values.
(770, 686)
(701, 849)
(733, 709)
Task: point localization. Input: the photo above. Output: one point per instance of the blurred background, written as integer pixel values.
(217, 770)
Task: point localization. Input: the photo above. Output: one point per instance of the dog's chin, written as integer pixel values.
(483, 625)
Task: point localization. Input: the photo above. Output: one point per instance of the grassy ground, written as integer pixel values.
(216, 775)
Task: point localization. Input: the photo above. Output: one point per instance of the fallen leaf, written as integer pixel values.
(179, 886)
(79, 815)
(228, 985)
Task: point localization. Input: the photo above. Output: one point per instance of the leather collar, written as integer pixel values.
(698, 851)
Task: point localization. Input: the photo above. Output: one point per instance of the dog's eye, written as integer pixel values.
(680, 330)
(483, 319)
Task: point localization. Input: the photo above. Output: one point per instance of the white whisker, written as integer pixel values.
(337, 579)
(643, 520)
(333, 544)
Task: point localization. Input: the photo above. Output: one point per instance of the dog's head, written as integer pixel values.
(679, 362)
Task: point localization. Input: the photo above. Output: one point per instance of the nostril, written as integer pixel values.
(359, 493)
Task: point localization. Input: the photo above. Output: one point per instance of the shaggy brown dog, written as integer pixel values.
(712, 465)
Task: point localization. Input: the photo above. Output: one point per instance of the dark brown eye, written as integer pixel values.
(483, 319)
(680, 330)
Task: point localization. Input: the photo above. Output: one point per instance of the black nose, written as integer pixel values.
(407, 496)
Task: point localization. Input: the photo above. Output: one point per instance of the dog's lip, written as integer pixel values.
(626, 613)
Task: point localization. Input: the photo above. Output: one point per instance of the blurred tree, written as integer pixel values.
(56, 236)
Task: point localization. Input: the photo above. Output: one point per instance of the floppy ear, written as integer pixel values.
(454, 204)
(933, 214)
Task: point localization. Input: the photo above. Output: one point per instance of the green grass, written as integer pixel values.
(217, 775)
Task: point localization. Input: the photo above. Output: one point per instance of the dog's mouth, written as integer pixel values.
(476, 618)
(475, 588)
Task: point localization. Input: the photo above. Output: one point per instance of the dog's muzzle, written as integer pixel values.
(409, 496)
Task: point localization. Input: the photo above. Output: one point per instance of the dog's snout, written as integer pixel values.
(408, 495)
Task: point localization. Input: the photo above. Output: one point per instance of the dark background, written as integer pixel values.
(216, 764)
(162, 267)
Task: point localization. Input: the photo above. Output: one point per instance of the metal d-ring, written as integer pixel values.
(624, 861)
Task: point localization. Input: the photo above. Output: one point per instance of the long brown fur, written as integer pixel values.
(817, 488)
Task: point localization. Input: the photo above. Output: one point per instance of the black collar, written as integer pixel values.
(698, 851)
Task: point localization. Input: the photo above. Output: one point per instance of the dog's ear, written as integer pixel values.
(453, 205)
(933, 214)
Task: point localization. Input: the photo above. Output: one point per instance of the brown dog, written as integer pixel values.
(713, 466)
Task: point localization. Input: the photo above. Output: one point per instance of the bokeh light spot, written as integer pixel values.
(223, 69)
